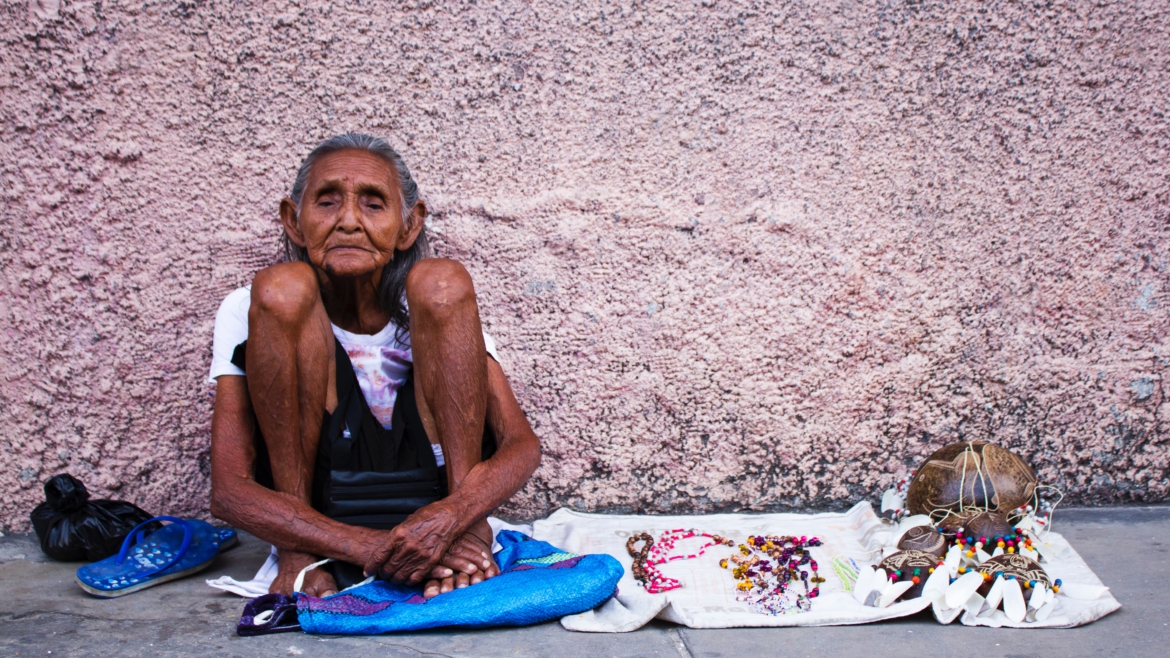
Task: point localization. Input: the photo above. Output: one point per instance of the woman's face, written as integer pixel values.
(350, 216)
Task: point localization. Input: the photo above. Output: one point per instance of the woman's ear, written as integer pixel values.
(412, 226)
(288, 219)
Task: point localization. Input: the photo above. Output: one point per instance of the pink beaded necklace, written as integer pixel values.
(659, 553)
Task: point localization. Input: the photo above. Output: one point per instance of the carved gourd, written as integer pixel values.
(971, 474)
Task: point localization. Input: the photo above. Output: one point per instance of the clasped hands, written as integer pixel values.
(423, 550)
(423, 547)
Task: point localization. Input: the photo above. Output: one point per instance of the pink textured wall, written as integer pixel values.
(736, 254)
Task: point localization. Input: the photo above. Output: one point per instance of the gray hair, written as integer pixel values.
(392, 287)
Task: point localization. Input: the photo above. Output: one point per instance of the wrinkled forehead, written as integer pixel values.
(354, 169)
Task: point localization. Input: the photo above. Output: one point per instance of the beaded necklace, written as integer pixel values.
(767, 565)
(654, 553)
(639, 566)
(970, 543)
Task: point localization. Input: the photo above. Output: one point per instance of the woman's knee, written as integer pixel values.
(287, 292)
(439, 287)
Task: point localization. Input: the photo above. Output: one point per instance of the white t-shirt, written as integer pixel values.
(381, 362)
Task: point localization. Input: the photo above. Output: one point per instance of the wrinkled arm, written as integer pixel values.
(478, 489)
(280, 519)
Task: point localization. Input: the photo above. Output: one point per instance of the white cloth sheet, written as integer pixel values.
(263, 579)
(708, 596)
(250, 589)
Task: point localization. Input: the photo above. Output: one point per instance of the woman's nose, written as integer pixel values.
(348, 220)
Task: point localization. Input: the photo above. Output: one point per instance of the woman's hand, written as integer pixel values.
(416, 546)
(467, 562)
(317, 583)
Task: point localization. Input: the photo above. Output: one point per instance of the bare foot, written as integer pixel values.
(468, 562)
(317, 583)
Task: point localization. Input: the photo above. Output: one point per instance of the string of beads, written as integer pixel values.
(639, 566)
(654, 553)
(766, 567)
(1010, 543)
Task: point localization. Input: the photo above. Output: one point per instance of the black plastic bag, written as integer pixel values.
(72, 527)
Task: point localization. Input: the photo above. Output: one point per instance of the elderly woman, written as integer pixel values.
(360, 413)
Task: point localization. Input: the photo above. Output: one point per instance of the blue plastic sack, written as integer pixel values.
(537, 582)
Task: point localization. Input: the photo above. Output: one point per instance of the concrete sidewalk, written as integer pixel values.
(44, 613)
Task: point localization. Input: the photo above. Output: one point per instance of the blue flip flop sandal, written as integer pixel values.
(171, 552)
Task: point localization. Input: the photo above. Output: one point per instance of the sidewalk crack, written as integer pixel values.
(680, 643)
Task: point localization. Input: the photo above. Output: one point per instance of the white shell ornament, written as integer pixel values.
(963, 589)
(1013, 601)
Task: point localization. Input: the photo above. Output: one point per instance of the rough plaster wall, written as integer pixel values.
(737, 255)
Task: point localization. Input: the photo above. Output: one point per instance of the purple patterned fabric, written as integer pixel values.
(345, 604)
